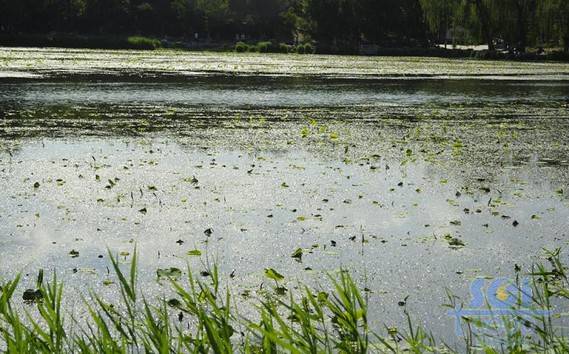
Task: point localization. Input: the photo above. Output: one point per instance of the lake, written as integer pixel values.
(418, 175)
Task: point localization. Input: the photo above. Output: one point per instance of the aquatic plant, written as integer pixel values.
(309, 321)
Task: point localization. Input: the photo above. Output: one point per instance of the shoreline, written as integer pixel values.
(126, 42)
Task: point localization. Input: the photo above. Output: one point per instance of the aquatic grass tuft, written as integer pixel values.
(202, 318)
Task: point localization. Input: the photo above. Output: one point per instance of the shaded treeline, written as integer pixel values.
(514, 23)
(341, 25)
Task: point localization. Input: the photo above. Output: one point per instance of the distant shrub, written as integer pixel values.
(558, 55)
(305, 48)
(264, 47)
(241, 47)
(138, 42)
(177, 45)
(284, 48)
(309, 48)
(270, 47)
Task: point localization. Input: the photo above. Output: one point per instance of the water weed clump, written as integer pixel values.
(201, 317)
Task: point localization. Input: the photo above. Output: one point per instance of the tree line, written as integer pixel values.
(515, 23)
(340, 25)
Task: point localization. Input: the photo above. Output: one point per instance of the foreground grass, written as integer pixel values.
(202, 318)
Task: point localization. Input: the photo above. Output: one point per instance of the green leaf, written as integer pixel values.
(273, 274)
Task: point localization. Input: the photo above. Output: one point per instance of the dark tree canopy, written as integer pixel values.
(337, 24)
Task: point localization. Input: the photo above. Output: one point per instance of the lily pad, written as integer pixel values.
(171, 273)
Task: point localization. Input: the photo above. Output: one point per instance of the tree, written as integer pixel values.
(213, 12)
(108, 16)
(11, 15)
(553, 22)
(337, 25)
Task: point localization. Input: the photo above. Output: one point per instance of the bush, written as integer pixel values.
(558, 55)
(241, 47)
(138, 42)
(269, 47)
(264, 47)
(309, 48)
(305, 48)
(284, 48)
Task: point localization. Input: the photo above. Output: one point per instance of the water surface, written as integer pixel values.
(367, 174)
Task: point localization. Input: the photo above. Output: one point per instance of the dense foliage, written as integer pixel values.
(517, 23)
(340, 25)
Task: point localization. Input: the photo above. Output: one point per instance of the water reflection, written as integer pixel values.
(390, 171)
(287, 93)
(263, 205)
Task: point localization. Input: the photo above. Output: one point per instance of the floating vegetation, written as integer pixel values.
(74, 254)
(298, 254)
(169, 273)
(32, 295)
(454, 242)
(46, 62)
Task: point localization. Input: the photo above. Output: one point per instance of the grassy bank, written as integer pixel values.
(203, 317)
